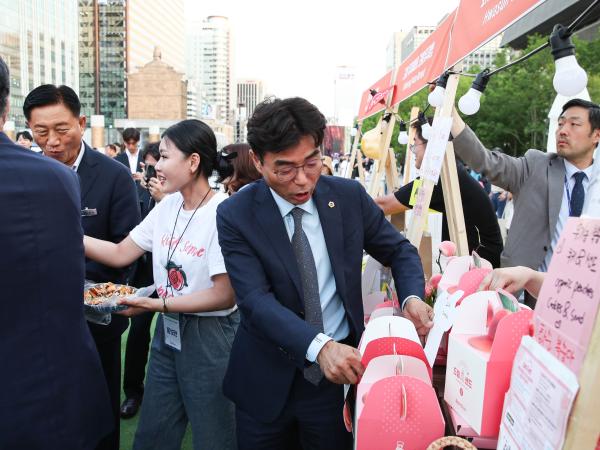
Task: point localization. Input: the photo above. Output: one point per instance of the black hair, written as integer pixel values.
(50, 94)
(4, 86)
(419, 128)
(194, 136)
(26, 135)
(131, 134)
(593, 110)
(151, 148)
(277, 125)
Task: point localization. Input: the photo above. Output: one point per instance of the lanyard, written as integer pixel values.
(568, 195)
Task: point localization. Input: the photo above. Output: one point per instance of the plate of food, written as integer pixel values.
(103, 297)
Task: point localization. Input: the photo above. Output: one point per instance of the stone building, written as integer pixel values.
(157, 91)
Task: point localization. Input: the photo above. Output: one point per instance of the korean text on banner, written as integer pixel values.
(478, 21)
(372, 104)
(424, 64)
(567, 306)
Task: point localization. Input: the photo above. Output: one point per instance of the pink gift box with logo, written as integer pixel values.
(481, 352)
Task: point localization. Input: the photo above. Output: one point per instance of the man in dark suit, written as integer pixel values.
(131, 156)
(109, 209)
(48, 358)
(293, 246)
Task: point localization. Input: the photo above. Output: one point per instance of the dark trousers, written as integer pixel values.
(136, 355)
(311, 420)
(110, 357)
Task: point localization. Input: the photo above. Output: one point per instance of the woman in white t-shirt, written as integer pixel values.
(193, 336)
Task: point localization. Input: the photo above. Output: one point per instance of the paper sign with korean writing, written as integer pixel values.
(436, 149)
(478, 21)
(567, 306)
(374, 99)
(538, 403)
(424, 64)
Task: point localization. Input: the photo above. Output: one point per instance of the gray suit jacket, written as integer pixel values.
(536, 181)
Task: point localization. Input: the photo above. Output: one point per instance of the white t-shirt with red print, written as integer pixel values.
(195, 257)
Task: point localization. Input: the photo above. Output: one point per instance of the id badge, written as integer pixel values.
(172, 332)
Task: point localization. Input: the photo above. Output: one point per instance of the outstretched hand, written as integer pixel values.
(139, 305)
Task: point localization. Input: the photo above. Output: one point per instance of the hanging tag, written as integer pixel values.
(171, 331)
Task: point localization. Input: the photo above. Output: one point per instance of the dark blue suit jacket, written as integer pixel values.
(271, 342)
(54, 395)
(107, 187)
(123, 159)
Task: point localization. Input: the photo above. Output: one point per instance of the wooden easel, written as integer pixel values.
(414, 114)
(452, 199)
(387, 129)
(354, 154)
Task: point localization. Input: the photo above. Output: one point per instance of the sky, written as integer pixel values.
(295, 46)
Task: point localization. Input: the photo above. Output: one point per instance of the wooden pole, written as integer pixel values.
(583, 429)
(408, 157)
(353, 152)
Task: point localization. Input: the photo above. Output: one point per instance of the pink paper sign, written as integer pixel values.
(566, 309)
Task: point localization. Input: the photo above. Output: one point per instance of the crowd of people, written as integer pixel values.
(257, 285)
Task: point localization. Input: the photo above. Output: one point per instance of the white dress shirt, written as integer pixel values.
(133, 158)
(75, 165)
(563, 215)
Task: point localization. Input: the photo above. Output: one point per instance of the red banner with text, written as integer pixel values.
(463, 31)
(478, 21)
(424, 64)
(373, 102)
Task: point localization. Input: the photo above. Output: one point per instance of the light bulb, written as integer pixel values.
(570, 79)
(403, 138)
(469, 103)
(426, 131)
(436, 97)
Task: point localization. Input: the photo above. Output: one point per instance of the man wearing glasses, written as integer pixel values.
(293, 246)
(481, 223)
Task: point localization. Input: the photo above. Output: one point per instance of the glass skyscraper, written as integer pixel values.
(103, 58)
(38, 41)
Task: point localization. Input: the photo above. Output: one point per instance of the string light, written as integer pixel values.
(569, 78)
(403, 135)
(436, 97)
(470, 102)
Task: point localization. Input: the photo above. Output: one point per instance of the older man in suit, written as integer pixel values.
(547, 187)
(293, 247)
(48, 358)
(109, 209)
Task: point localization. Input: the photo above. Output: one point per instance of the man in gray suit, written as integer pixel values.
(547, 187)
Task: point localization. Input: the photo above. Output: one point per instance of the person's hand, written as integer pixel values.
(155, 189)
(421, 315)
(340, 363)
(510, 279)
(140, 305)
(138, 176)
(502, 196)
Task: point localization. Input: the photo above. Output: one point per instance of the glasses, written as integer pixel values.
(413, 147)
(311, 167)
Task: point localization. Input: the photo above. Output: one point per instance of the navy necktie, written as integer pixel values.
(310, 286)
(577, 195)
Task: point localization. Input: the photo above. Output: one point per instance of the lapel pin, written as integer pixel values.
(331, 204)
